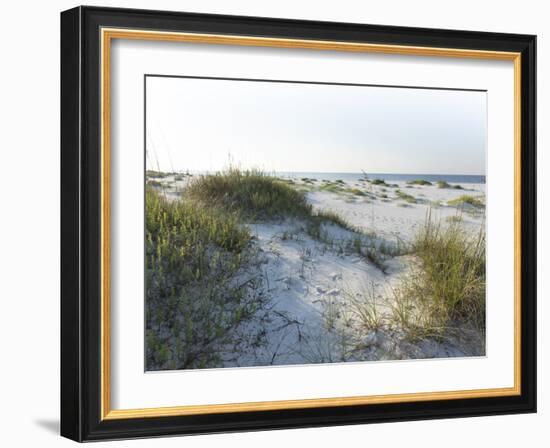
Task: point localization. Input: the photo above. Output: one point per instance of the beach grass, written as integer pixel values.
(418, 182)
(405, 197)
(198, 292)
(366, 308)
(378, 182)
(154, 183)
(356, 192)
(328, 216)
(252, 194)
(444, 184)
(159, 174)
(332, 187)
(454, 218)
(475, 201)
(447, 288)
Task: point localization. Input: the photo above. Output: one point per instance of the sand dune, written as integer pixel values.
(316, 286)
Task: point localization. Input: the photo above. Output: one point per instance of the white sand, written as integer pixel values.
(310, 283)
(396, 218)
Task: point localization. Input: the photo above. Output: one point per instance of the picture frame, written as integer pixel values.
(87, 175)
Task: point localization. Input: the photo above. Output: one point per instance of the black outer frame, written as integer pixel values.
(80, 223)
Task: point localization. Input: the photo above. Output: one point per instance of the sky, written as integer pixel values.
(204, 125)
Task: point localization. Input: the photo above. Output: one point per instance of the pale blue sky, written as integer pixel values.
(194, 124)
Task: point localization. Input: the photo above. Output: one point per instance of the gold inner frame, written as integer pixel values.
(107, 35)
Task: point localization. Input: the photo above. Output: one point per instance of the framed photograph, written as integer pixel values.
(273, 223)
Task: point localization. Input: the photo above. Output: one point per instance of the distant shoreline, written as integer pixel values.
(391, 177)
(453, 178)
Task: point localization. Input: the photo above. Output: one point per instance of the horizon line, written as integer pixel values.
(325, 172)
(378, 172)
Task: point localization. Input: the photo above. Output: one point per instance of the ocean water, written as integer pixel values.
(389, 177)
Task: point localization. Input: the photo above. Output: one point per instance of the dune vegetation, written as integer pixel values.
(419, 182)
(198, 290)
(202, 281)
(444, 184)
(251, 194)
(208, 292)
(446, 289)
(474, 201)
(405, 197)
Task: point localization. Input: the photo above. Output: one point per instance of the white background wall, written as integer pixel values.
(29, 219)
